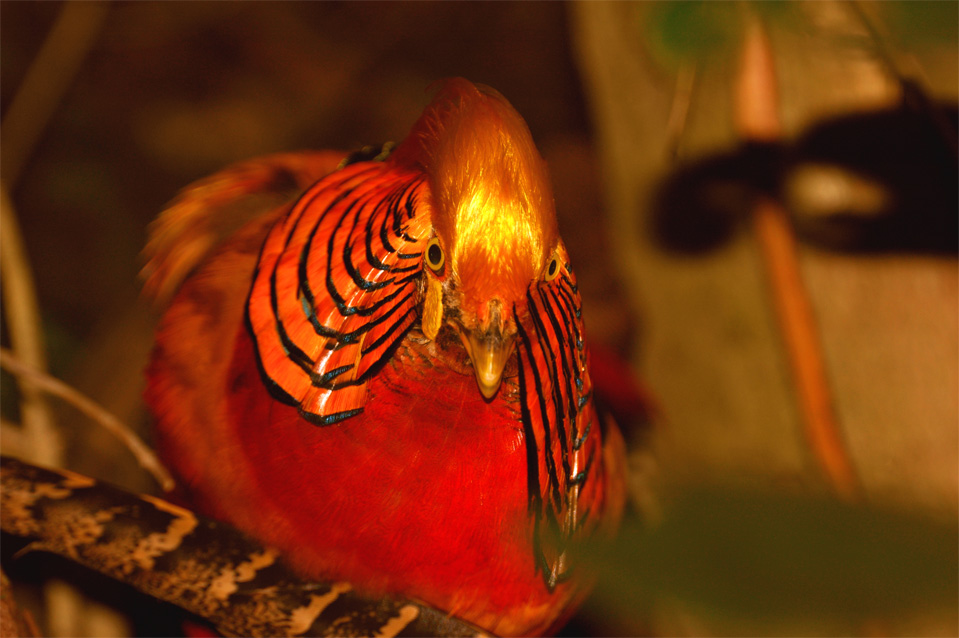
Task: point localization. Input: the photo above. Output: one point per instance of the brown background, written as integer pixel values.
(170, 92)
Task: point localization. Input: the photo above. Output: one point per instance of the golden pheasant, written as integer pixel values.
(386, 377)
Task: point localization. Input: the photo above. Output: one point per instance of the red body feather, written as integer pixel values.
(298, 396)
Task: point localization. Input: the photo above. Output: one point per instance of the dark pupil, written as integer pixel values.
(435, 254)
(552, 268)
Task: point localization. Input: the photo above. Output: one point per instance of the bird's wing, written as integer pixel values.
(212, 209)
(336, 285)
(563, 435)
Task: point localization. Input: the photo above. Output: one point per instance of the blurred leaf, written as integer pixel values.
(922, 22)
(689, 30)
(772, 557)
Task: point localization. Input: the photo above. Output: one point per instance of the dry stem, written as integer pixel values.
(144, 455)
(46, 81)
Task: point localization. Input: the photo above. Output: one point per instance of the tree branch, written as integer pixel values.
(203, 566)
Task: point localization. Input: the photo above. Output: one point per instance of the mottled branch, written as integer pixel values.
(205, 567)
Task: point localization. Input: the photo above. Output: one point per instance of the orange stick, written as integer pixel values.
(757, 115)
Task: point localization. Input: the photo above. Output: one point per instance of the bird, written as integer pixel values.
(376, 362)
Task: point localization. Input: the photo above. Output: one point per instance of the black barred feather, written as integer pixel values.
(557, 416)
(335, 288)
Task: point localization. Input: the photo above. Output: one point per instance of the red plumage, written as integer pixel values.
(315, 379)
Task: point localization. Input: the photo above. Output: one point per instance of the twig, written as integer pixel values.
(757, 114)
(41, 440)
(679, 109)
(43, 87)
(24, 327)
(46, 81)
(798, 326)
(914, 93)
(144, 455)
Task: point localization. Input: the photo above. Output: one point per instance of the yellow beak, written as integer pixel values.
(489, 353)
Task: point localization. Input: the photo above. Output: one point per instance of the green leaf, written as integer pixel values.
(685, 31)
(772, 557)
(919, 23)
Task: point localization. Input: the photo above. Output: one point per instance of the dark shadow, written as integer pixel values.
(701, 205)
(872, 182)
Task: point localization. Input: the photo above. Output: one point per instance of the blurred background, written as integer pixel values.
(760, 201)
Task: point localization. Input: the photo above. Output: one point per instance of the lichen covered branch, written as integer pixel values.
(205, 567)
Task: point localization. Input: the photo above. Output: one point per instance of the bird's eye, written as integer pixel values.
(552, 268)
(434, 255)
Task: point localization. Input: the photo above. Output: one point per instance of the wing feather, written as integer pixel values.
(558, 418)
(335, 287)
(212, 209)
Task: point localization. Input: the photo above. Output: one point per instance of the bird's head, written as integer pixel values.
(493, 218)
